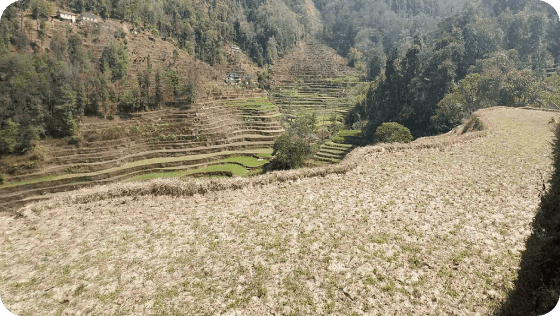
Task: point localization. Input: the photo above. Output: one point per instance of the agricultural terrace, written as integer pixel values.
(431, 227)
(230, 136)
(314, 79)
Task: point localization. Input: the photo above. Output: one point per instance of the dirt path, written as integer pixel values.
(433, 230)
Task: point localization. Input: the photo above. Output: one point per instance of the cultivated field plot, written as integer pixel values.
(433, 227)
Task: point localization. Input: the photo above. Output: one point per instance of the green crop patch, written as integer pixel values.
(236, 169)
(333, 151)
(257, 106)
(230, 164)
(247, 161)
(148, 163)
(30, 181)
(350, 133)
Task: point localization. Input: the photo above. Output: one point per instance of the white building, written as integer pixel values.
(67, 16)
(88, 16)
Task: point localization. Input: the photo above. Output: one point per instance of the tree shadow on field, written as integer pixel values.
(537, 288)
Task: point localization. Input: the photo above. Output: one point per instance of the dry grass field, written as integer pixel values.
(433, 227)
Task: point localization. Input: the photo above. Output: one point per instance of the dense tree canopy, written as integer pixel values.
(202, 27)
(435, 61)
(485, 55)
(375, 27)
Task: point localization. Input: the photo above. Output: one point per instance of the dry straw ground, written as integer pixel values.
(434, 227)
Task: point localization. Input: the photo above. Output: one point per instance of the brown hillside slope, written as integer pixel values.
(432, 227)
(140, 45)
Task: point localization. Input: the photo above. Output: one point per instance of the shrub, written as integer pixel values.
(129, 102)
(304, 126)
(289, 153)
(392, 132)
(1, 178)
(264, 79)
(37, 154)
(323, 133)
(8, 137)
(12, 168)
(75, 140)
(120, 34)
(63, 122)
(189, 90)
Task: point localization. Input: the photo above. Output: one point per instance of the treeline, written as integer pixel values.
(474, 59)
(263, 28)
(367, 31)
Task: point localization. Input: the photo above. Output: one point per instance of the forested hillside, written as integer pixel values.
(367, 31)
(490, 53)
(418, 51)
(263, 28)
(52, 71)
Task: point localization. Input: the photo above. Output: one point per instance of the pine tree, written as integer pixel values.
(81, 99)
(159, 89)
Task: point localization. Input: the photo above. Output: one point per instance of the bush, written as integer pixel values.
(12, 168)
(1, 178)
(63, 123)
(8, 137)
(304, 126)
(129, 102)
(189, 90)
(120, 34)
(392, 132)
(289, 153)
(265, 79)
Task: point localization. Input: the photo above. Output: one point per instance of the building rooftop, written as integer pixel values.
(65, 12)
(89, 15)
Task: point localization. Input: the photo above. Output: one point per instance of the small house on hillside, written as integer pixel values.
(66, 16)
(233, 77)
(89, 17)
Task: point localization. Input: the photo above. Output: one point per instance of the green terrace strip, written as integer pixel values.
(264, 155)
(146, 162)
(157, 175)
(343, 142)
(28, 181)
(262, 104)
(236, 169)
(237, 165)
(333, 151)
(246, 161)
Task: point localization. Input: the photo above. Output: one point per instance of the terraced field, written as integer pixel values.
(432, 227)
(193, 140)
(179, 141)
(314, 79)
(234, 165)
(319, 97)
(344, 142)
(304, 82)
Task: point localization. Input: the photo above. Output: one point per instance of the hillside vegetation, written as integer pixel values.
(435, 226)
(184, 89)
